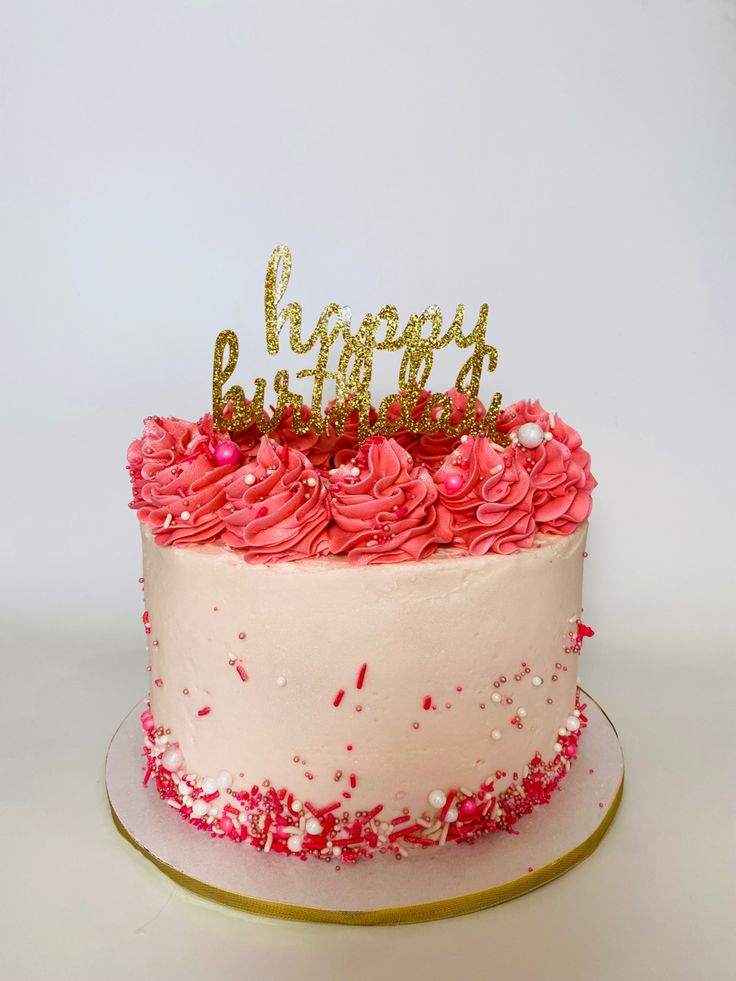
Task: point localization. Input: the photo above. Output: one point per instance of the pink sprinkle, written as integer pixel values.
(204, 711)
(262, 512)
(241, 671)
(361, 676)
(427, 702)
(600, 803)
(591, 771)
(159, 683)
(338, 698)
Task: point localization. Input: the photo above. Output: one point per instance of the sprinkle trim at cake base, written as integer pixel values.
(275, 820)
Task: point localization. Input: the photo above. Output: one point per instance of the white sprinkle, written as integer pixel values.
(497, 469)
(551, 420)
(495, 697)
(167, 521)
(250, 478)
(464, 438)
(355, 472)
(536, 681)
(185, 516)
(311, 482)
(521, 712)
(558, 747)
(281, 681)
(496, 734)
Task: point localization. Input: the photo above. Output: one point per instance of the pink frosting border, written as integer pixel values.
(284, 497)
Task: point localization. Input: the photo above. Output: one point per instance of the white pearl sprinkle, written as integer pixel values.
(281, 681)
(576, 713)
(495, 697)
(355, 472)
(558, 747)
(314, 827)
(294, 843)
(345, 313)
(530, 435)
(548, 436)
(209, 785)
(562, 731)
(452, 814)
(521, 712)
(224, 780)
(464, 438)
(296, 805)
(496, 734)
(183, 788)
(185, 516)
(200, 808)
(573, 724)
(311, 482)
(437, 798)
(536, 681)
(250, 478)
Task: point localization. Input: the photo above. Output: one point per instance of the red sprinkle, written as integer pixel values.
(427, 702)
(146, 622)
(353, 781)
(361, 676)
(241, 671)
(338, 698)
(159, 683)
(204, 711)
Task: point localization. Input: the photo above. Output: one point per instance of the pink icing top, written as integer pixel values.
(288, 496)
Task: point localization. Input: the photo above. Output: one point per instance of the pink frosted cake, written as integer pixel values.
(361, 649)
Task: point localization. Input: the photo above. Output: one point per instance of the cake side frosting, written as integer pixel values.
(396, 686)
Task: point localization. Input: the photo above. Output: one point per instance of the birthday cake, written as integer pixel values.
(363, 626)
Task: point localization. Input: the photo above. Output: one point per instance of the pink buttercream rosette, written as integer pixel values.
(487, 497)
(384, 507)
(178, 488)
(276, 507)
(559, 469)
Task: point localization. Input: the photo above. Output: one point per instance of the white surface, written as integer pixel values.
(572, 163)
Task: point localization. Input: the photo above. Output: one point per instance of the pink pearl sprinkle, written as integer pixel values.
(227, 454)
(226, 824)
(453, 483)
(147, 721)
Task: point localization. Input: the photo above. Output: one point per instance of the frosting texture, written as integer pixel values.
(290, 496)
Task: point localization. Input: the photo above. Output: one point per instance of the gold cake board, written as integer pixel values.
(431, 885)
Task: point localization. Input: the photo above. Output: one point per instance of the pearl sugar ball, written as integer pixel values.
(314, 827)
(224, 780)
(573, 723)
(530, 435)
(209, 786)
(437, 798)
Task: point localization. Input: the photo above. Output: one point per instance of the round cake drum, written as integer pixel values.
(446, 882)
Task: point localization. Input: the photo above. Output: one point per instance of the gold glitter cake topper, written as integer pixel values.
(418, 341)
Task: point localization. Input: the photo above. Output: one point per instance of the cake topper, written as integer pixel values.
(420, 338)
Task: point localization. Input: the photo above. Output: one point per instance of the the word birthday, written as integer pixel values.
(420, 338)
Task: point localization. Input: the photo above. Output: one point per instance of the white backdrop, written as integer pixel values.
(572, 163)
